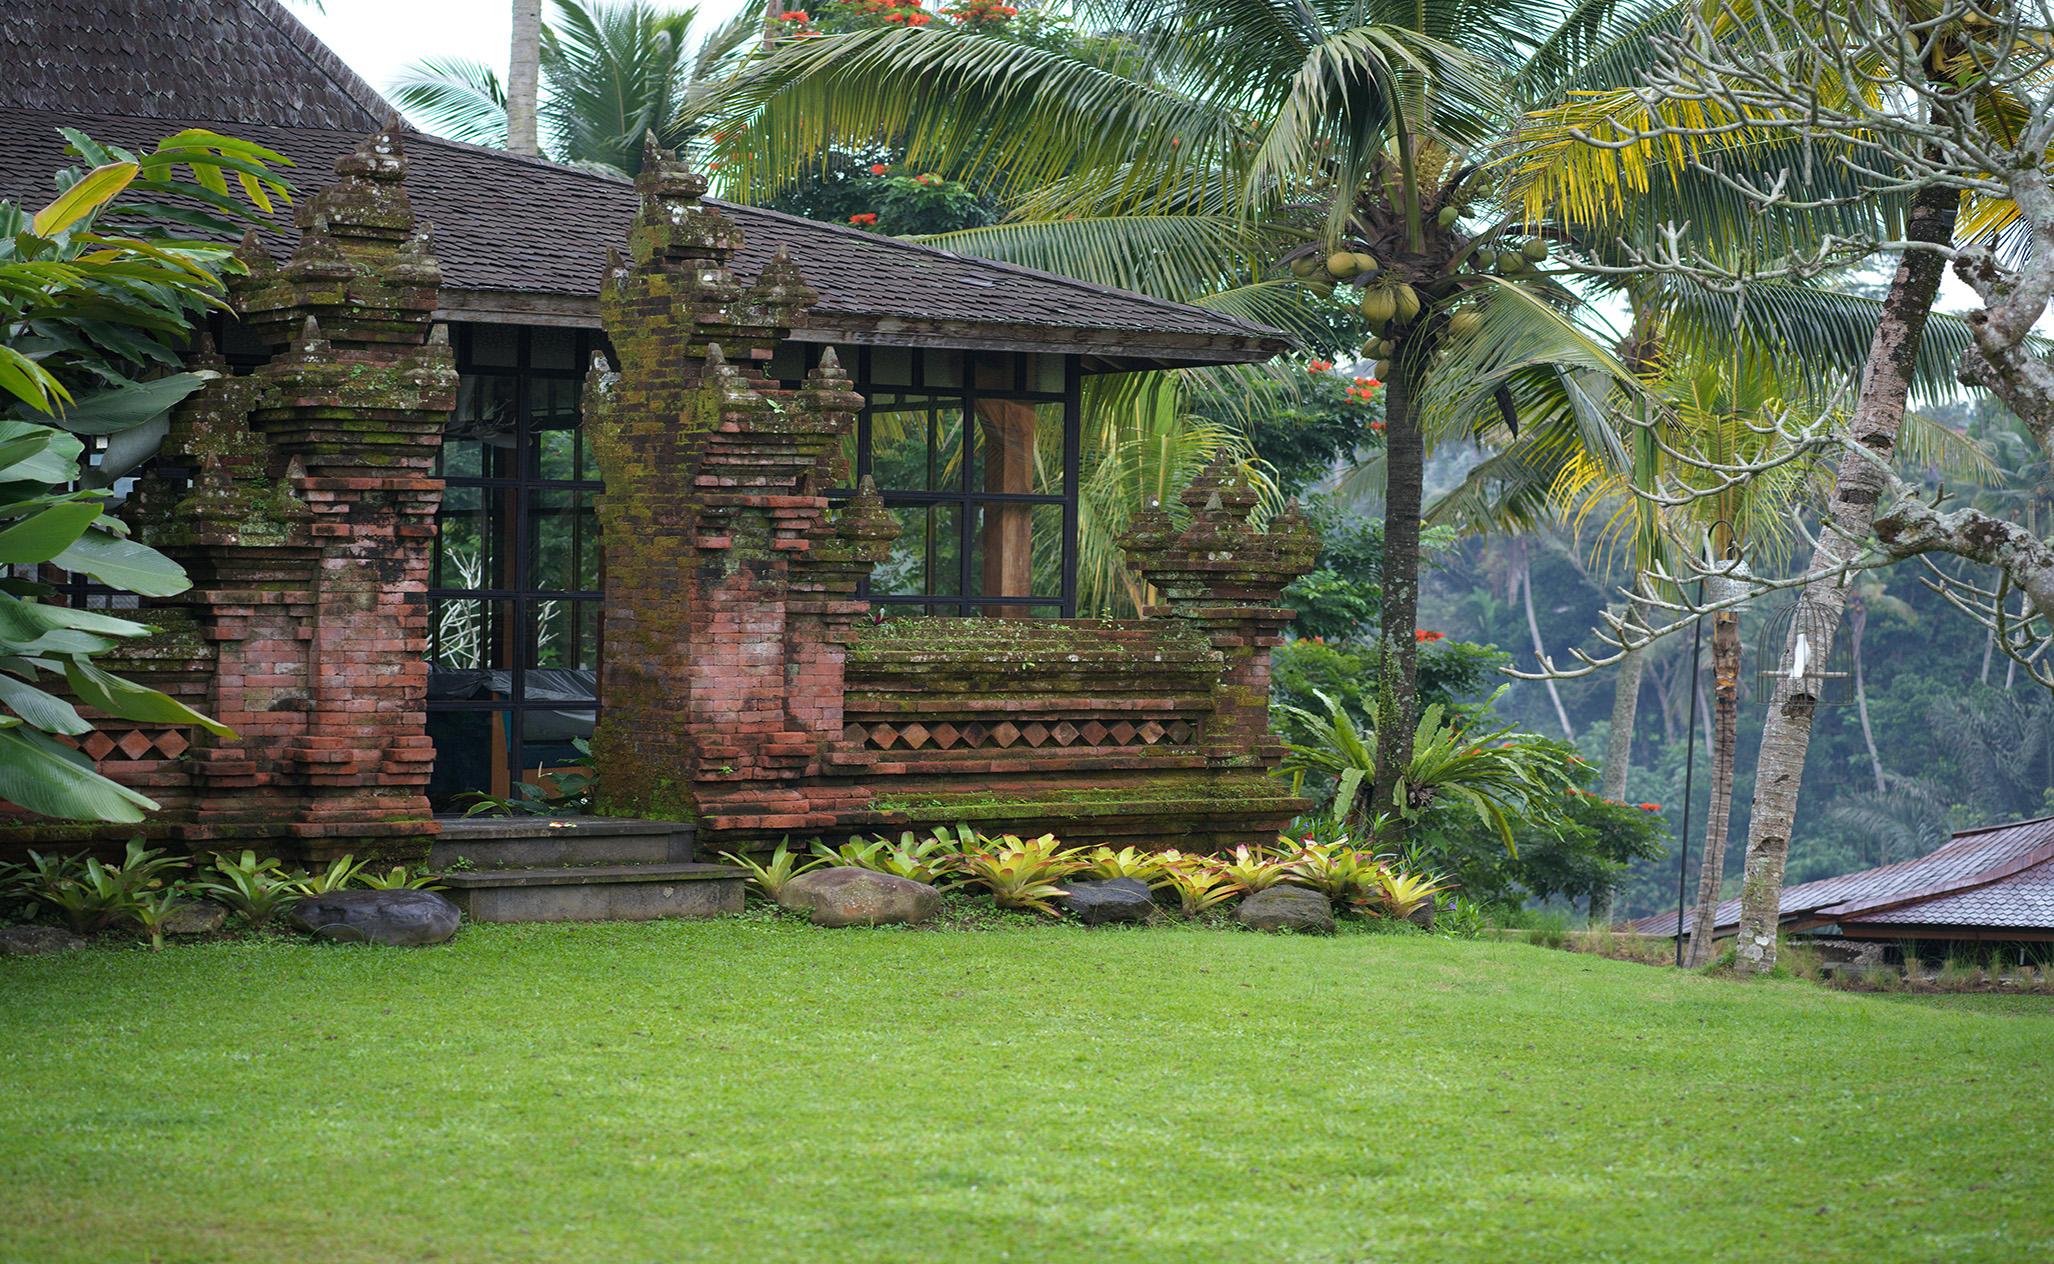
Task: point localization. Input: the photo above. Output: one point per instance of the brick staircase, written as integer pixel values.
(579, 869)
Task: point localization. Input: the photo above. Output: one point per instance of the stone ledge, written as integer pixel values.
(590, 875)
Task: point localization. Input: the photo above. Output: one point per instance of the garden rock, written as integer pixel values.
(859, 897)
(195, 917)
(1287, 908)
(1423, 916)
(1112, 900)
(27, 941)
(401, 919)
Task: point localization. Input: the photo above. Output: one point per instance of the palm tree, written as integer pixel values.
(610, 73)
(1354, 128)
(523, 77)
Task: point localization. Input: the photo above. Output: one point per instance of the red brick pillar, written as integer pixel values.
(353, 406)
(729, 584)
(1221, 574)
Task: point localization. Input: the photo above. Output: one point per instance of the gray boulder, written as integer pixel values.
(195, 917)
(1096, 902)
(27, 941)
(1287, 908)
(401, 919)
(859, 897)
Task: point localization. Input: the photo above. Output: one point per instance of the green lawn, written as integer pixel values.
(751, 1090)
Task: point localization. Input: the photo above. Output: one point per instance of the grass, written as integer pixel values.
(757, 1090)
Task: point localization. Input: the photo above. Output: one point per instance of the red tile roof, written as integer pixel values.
(1998, 875)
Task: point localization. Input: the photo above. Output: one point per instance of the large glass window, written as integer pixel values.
(975, 453)
(513, 593)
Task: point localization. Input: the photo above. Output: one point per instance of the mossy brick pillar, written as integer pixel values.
(353, 403)
(729, 587)
(1223, 575)
(220, 502)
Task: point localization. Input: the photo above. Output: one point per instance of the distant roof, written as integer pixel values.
(1999, 877)
(522, 239)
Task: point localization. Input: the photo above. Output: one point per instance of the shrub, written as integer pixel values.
(339, 874)
(89, 896)
(934, 859)
(1336, 868)
(1255, 868)
(1397, 894)
(1550, 930)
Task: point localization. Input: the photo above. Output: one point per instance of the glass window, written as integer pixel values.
(979, 476)
(513, 599)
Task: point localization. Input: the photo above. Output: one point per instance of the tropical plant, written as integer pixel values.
(1501, 774)
(932, 859)
(92, 321)
(1398, 894)
(1335, 867)
(88, 895)
(1254, 868)
(152, 911)
(1462, 919)
(1198, 881)
(610, 75)
(1127, 862)
(769, 877)
(399, 878)
(341, 873)
(259, 890)
(1022, 873)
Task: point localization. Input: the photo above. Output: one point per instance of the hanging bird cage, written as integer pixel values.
(1788, 649)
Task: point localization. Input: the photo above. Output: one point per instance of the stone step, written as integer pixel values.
(597, 893)
(541, 842)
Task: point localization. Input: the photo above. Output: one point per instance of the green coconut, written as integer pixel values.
(1535, 249)
(1463, 324)
(1341, 264)
(1447, 216)
(1304, 267)
(1378, 306)
(1406, 303)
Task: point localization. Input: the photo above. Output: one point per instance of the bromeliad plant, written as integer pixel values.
(1199, 882)
(769, 878)
(1335, 868)
(1023, 873)
(1127, 862)
(1255, 868)
(1397, 894)
(88, 895)
(259, 890)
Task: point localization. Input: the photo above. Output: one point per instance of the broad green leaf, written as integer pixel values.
(115, 696)
(124, 564)
(28, 381)
(82, 620)
(92, 192)
(119, 408)
(54, 465)
(48, 778)
(42, 536)
(45, 711)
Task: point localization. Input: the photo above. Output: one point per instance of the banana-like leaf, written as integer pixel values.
(45, 711)
(44, 535)
(118, 408)
(50, 779)
(107, 692)
(94, 190)
(124, 564)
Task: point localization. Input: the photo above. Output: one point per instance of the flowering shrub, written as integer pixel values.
(837, 16)
(866, 219)
(974, 13)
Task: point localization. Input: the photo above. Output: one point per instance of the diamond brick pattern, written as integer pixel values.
(974, 735)
(135, 744)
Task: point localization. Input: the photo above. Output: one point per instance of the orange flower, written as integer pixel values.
(878, 168)
(1319, 366)
(1423, 635)
(864, 219)
(1649, 807)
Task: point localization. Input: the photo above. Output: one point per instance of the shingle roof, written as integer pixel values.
(1999, 875)
(223, 61)
(519, 237)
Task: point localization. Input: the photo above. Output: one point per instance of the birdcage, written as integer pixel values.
(1789, 649)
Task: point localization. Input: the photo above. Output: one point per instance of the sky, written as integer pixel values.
(379, 37)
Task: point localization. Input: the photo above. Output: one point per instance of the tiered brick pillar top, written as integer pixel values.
(1222, 574)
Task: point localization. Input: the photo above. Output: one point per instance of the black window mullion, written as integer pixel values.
(1072, 459)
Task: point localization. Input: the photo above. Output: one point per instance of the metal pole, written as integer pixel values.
(1697, 640)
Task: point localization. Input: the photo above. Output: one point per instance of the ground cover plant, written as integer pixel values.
(757, 1089)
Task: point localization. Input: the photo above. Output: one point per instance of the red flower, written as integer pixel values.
(1649, 807)
(1319, 366)
(794, 15)
(1423, 635)
(1376, 425)
(866, 218)
(1176, 141)
(878, 168)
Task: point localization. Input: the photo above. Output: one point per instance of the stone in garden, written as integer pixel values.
(1095, 903)
(859, 897)
(1423, 916)
(1287, 908)
(401, 919)
(25, 941)
(195, 917)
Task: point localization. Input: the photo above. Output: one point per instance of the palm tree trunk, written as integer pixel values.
(1857, 490)
(1857, 626)
(1540, 649)
(1625, 714)
(1719, 812)
(523, 74)
(1398, 659)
